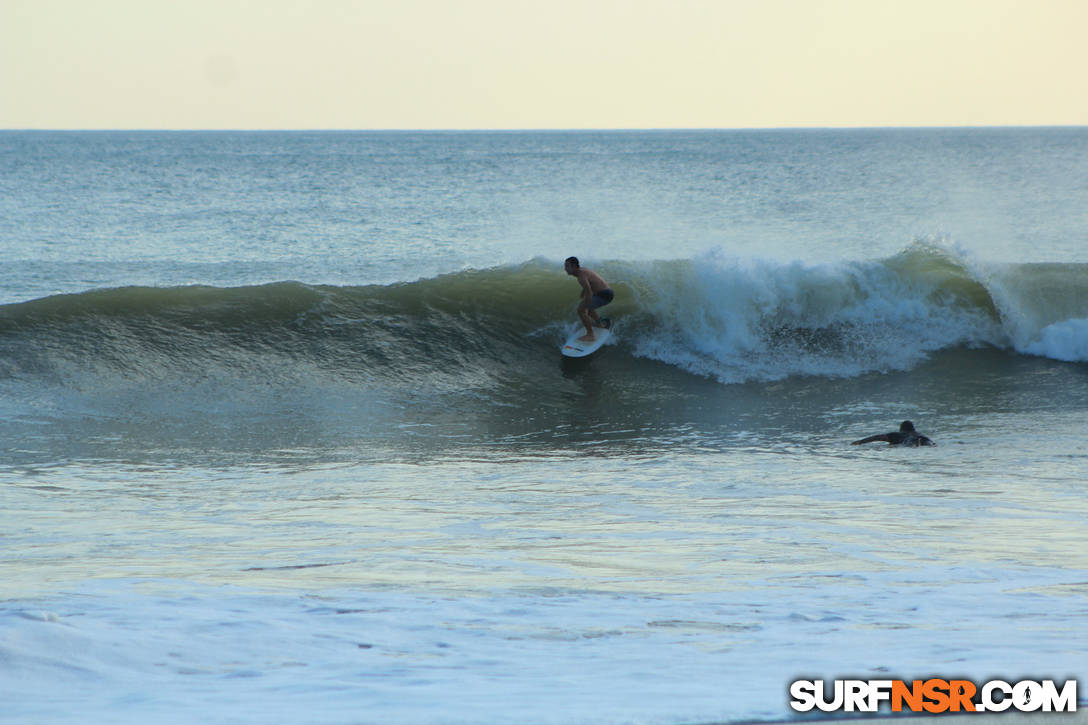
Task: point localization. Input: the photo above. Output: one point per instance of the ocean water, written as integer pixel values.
(286, 435)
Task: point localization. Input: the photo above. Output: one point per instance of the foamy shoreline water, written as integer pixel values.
(229, 655)
(678, 594)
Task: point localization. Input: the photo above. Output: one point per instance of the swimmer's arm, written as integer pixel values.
(883, 437)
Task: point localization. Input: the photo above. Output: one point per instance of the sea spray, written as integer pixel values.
(753, 319)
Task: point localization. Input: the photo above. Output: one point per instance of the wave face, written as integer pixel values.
(282, 333)
(733, 320)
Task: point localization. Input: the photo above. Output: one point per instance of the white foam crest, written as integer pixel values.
(1066, 340)
(756, 319)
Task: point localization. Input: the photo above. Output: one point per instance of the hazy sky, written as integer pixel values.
(421, 64)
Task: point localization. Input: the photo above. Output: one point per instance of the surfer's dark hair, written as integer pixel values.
(572, 260)
(906, 427)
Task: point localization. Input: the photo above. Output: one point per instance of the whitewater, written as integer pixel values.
(286, 435)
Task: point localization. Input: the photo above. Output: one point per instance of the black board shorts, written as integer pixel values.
(601, 298)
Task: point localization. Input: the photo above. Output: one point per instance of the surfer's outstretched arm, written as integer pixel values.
(883, 437)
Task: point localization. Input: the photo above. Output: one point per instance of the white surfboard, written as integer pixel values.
(574, 347)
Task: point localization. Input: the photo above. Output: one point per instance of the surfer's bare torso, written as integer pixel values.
(595, 293)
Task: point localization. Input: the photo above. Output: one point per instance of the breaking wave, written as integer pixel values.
(726, 318)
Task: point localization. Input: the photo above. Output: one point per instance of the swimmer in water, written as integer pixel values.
(905, 436)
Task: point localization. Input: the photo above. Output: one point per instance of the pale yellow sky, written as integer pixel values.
(497, 64)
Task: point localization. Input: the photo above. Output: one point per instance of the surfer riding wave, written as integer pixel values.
(595, 293)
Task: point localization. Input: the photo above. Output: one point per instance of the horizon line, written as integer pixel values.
(572, 129)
